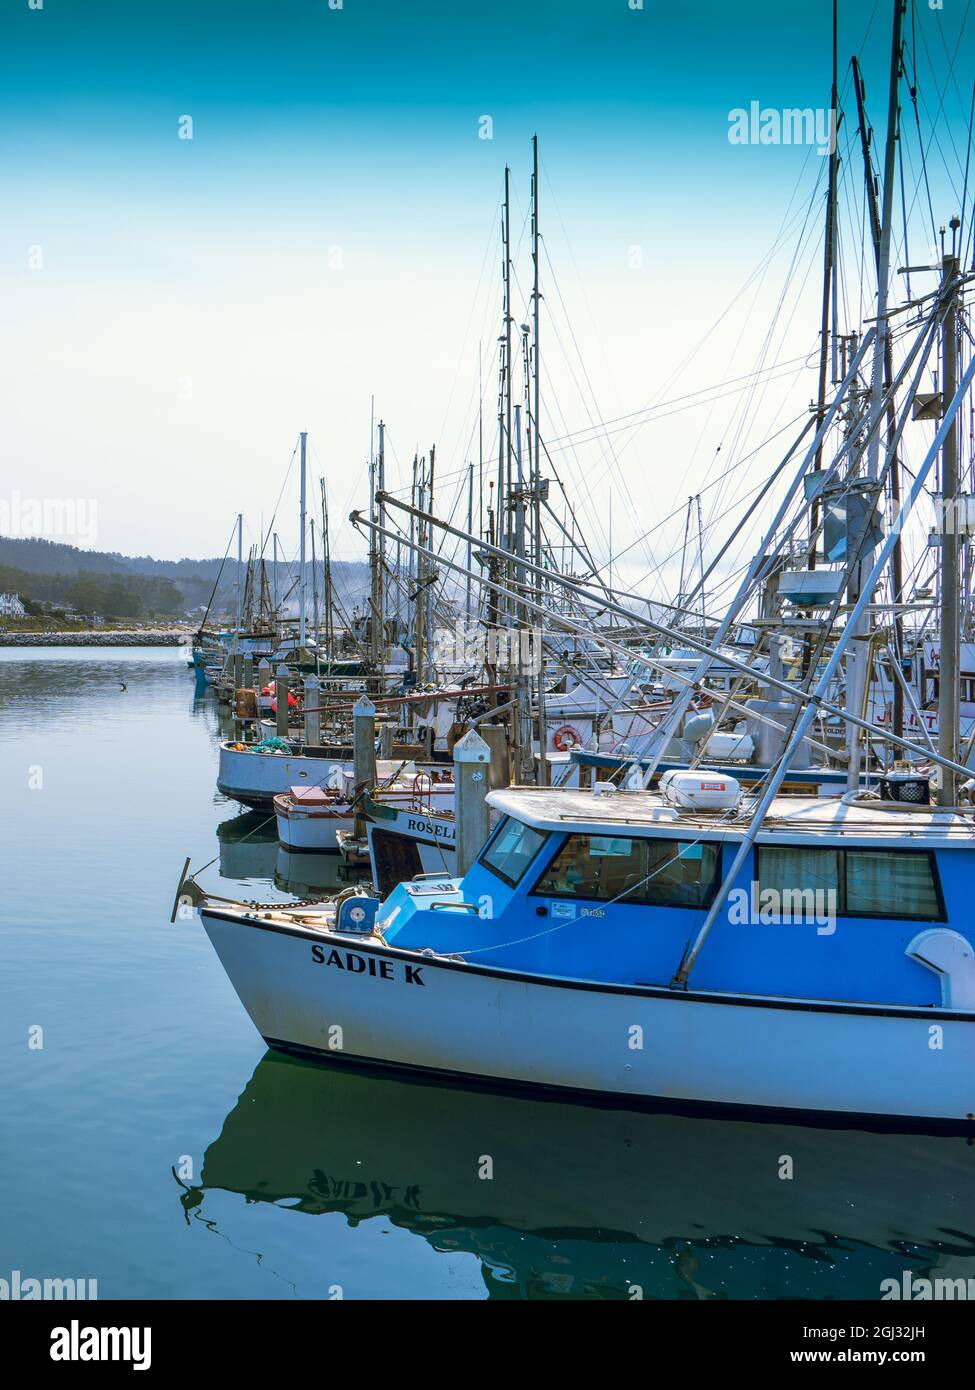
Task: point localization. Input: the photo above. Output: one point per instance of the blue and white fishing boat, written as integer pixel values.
(837, 979)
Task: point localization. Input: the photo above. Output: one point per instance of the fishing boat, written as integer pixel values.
(406, 836)
(560, 961)
(310, 817)
(254, 774)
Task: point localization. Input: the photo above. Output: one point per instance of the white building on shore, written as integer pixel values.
(11, 606)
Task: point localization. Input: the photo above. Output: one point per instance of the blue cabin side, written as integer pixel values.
(535, 919)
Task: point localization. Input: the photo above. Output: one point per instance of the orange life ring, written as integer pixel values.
(566, 738)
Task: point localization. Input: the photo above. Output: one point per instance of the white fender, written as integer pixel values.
(949, 955)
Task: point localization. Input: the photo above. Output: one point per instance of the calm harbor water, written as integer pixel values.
(153, 1144)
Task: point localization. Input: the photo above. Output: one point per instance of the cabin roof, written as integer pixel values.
(790, 819)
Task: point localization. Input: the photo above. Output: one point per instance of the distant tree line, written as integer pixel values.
(131, 596)
(123, 586)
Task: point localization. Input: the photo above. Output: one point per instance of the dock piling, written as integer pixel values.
(281, 699)
(472, 766)
(313, 714)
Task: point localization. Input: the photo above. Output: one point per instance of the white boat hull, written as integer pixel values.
(308, 833)
(255, 779)
(434, 836)
(315, 993)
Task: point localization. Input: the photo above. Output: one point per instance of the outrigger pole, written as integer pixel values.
(815, 698)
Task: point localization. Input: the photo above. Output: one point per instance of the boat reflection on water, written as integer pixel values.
(312, 875)
(248, 846)
(251, 853)
(561, 1200)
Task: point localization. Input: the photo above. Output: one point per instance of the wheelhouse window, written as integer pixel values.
(651, 872)
(511, 850)
(860, 882)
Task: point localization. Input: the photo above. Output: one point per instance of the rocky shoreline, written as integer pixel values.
(135, 637)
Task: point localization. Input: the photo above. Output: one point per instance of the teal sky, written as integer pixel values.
(329, 232)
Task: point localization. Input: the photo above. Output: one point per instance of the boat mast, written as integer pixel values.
(301, 546)
(828, 258)
(897, 560)
(470, 557)
(431, 575)
(381, 568)
(240, 566)
(858, 666)
(416, 563)
(480, 446)
(950, 635)
(504, 452)
(314, 585)
(535, 462)
(327, 578)
(274, 576)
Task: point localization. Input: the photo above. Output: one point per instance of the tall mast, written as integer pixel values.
(948, 679)
(301, 545)
(274, 574)
(859, 665)
(504, 498)
(480, 446)
(327, 578)
(828, 257)
(314, 585)
(428, 594)
(536, 460)
(379, 602)
(896, 559)
(375, 600)
(420, 604)
(415, 561)
(240, 566)
(883, 269)
(470, 558)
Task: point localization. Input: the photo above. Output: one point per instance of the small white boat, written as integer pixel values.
(309, 817)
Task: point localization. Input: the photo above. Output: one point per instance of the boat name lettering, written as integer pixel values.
(367, 965)
(439, 832)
